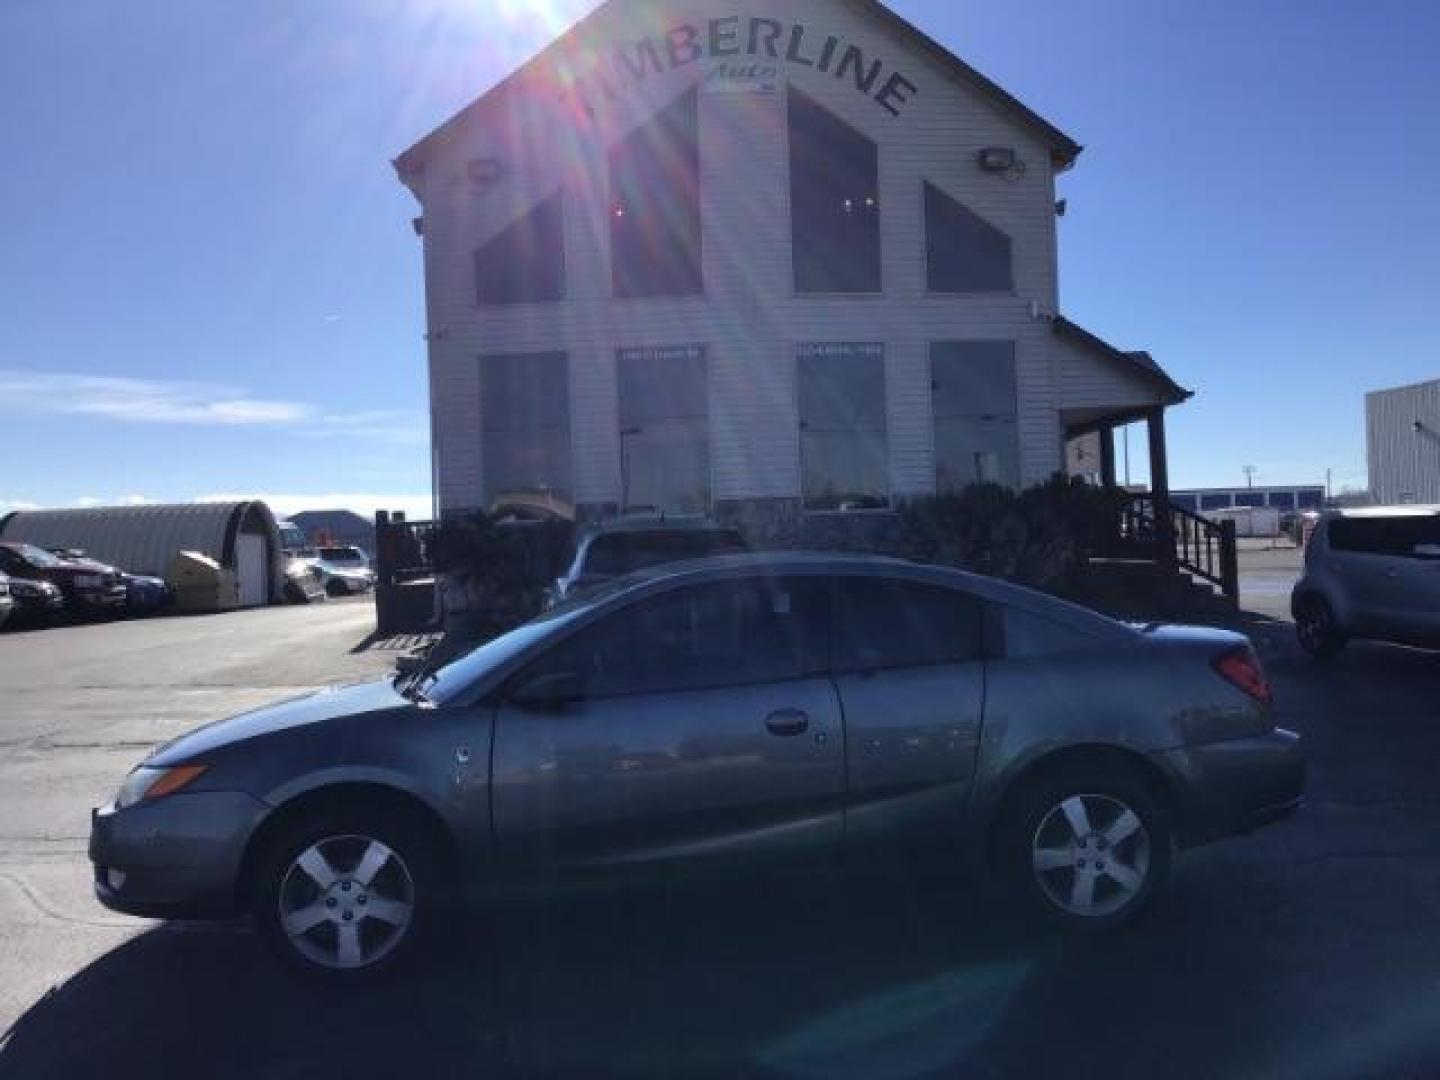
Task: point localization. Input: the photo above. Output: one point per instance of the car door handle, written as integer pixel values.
(787, 722)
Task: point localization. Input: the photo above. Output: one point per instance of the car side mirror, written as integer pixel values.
(553, 690)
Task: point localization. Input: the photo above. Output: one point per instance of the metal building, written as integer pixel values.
(143, 539)
(1402, 436)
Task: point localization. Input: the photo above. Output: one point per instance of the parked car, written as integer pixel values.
(7, 603)
(146, 595)
(89, 587)
(609, 550)
(731, 715)
(35, 601)
(345, 557)
(343, 581)
(1370, 573)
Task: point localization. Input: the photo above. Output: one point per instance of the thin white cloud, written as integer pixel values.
(153, 401)
(9, 505)
(414, 505)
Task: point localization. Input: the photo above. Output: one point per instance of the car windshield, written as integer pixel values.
(621, 553)
(454, 680)
(37, 556)
(341, 554)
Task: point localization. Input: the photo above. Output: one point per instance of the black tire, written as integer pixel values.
(336, 588)
(1317, 629)
(411, 873)
(1105, 791)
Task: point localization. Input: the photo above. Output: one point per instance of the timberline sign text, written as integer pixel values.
(736, 38)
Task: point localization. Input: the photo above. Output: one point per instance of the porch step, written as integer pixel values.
(1143, 589)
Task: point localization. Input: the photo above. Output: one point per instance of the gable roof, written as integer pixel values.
(1141, 363)
(1063, 149)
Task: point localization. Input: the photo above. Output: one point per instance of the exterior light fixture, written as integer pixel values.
(998, 159)
(484, 171)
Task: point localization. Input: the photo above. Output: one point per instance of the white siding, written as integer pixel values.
(1404, 462)
(750, 318)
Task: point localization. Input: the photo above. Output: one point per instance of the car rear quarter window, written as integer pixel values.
(1024, 635)
(881, 624)
(724, 634)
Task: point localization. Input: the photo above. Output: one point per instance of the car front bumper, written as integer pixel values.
(177, 857)
(1237, 786)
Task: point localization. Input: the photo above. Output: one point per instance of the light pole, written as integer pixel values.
(1250, 471)
(625, 435)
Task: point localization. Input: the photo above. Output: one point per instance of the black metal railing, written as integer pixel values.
(404, 550)
(1203, 548)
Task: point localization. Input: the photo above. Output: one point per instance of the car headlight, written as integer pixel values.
(146, 783)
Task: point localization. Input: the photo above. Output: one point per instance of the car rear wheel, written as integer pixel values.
(1317, 629)
(346, 897)
(1087, 848)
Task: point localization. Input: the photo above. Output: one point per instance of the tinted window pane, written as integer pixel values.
(1249, 498)
(655, 205)
(834, 202)
(973, 393)
(525, 418)
(964, 252)
(665, 428)
(1282, 500)
(843, 432)
(621, 553)
(1311, 500)
(711, 635)
(526, 262)
(1397, 536)
(1215, 500)
(886, 624)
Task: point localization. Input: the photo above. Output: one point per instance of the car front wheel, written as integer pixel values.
(1088, 849)
(1317, 629)
(344, 897)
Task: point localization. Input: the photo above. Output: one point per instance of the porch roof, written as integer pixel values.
(1138, 369)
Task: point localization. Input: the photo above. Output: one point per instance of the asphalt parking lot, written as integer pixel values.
(1309, 949)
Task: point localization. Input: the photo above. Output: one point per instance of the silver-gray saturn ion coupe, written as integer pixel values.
(738, 714)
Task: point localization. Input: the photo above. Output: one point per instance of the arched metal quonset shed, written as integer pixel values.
(143, 539)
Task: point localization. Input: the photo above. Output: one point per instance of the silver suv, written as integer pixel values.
(1372, 573)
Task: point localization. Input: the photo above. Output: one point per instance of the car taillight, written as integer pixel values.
(1242, 668)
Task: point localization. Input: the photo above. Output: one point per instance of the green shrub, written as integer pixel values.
(1041, 536)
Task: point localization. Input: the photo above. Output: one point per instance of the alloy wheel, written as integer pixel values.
(1091, 855)
(346, 902)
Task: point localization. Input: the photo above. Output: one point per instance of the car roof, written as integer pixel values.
(1402, 510)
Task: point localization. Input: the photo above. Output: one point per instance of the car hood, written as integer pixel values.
(313, 708)
(76, 567)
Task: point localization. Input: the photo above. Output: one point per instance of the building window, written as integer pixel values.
(974, 397)
(525, 263)
(1313, 499)
(834, 202)
(1215, 500)
(664, 429)
(1282, 500)
(964, 253)
(655, 205)
(1249, 498)
(525, 419)
(843, 435)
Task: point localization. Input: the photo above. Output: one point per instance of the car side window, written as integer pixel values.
(722, 634)
(881, 624)
(1393, 536)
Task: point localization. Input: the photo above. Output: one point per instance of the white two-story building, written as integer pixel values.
(758, 259)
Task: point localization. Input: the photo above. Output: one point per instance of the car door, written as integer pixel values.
(1361, 564)
(1408, 589)
(909, 666)
(703, 729)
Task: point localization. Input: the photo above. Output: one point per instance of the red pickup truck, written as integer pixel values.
(89, 587)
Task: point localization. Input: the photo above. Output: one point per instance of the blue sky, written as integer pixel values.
(208, 282)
